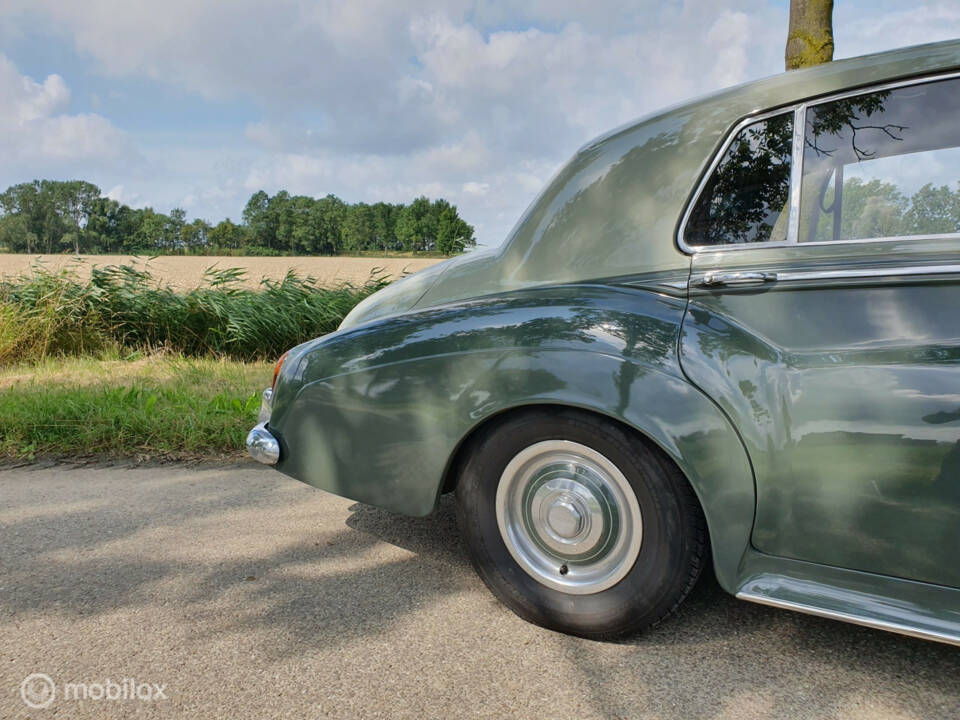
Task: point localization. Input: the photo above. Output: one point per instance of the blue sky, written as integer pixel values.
(199, 104)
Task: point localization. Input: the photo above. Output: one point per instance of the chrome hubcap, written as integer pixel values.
(564, 519)
(569, 517)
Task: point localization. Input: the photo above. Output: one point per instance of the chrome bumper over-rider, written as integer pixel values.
(261, 444)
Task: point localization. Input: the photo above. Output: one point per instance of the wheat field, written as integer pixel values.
(185, 272)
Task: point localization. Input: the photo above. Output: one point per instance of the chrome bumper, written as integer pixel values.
(261, 444)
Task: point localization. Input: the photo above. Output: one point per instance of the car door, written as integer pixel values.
(824, 318)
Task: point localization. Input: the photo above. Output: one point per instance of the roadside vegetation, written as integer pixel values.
(153, 407)
(121, 365)
(123, 308)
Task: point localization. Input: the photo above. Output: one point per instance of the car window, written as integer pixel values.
(882, 164)
(746, 199)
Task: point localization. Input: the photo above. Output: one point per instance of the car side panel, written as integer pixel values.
(376, 414)
(845, 392)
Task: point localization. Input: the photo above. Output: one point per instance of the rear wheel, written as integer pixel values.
(576, 524)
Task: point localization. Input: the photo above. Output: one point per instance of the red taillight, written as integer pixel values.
(276, 369)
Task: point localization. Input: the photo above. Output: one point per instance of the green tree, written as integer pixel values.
(384, 225)
(15, 234)
(328, 216)
(463, 235)
(48, 216)
(227, 234)
(73, 201)
(445, 231)
(172, 237)
(358, 228)
(453, 233)
(151, 232)
(101, 224)
(416, 225)
(195, 235)
(870, 209)
(34, 202)
(933, 210)
(279, 222)
(258, 218)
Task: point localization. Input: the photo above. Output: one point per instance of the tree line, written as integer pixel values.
(50, 216)
(875, 209)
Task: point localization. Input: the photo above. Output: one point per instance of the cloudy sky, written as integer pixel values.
(199, 103)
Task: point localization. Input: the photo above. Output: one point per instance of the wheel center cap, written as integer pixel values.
(565, 518)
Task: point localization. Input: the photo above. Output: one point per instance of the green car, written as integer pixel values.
(727, 334)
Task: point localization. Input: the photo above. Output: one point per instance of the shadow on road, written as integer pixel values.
(435, 536)
(283, 561)
(686, 667)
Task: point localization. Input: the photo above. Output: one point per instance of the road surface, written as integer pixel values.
(235, 592)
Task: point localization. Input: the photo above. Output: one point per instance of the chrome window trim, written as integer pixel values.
(819, 243)
(796, 169)
(796, 174)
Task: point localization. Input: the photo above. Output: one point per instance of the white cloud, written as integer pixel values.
(475, 188)
(477, 100)
(31, 100)
(730, 34)
(121, 195)
(858, 32)
(37, 134)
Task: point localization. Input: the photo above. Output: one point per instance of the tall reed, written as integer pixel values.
(45, 313)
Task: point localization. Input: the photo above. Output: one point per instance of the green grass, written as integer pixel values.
(119, 308)
(123, 366)
(152, 407)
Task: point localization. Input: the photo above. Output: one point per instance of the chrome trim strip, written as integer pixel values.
(888, 625)
(656, 285)
(796, 174)
(891, 85)
(868, 272)
(793, 240)
(820, 243)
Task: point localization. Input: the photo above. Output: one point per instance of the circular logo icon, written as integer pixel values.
(38, 690)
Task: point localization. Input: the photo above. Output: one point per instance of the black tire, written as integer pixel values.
(674, 543)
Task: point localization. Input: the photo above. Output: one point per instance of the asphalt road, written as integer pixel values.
(236, 592)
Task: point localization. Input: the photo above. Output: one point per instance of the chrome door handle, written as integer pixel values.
(735, 278)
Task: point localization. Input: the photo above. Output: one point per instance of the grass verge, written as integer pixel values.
(152, 407)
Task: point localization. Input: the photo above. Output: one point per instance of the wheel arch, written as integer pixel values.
(462, 450)
(725, 520)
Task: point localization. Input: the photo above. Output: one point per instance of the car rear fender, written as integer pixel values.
(385, 428)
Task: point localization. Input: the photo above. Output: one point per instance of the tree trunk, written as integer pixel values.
(810, 37)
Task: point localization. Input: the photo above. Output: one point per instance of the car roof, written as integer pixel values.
(804, 84)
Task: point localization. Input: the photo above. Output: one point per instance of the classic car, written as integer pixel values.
(724, 336)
